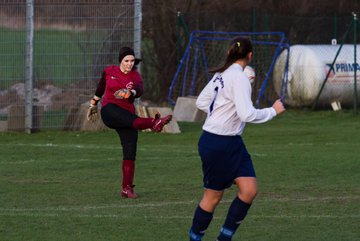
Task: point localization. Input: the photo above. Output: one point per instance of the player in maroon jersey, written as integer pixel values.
(118, 88)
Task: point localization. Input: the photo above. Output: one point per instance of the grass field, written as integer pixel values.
(64, 185)
(60, 57)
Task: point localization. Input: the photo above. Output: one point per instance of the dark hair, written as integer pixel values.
(239, 48)
(124, 51)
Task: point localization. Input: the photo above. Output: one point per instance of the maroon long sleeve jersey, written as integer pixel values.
(112, 80)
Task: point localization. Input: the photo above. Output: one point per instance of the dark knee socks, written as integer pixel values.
(128, 171)
(236, 214)
(200, 223)
(143, 123)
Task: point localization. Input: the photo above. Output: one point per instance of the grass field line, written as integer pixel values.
(157, 217)
(83, 146)
(310, 199)
(145, 147)
(163, 204)
(74, 208)
(73, 146)
(91, 146)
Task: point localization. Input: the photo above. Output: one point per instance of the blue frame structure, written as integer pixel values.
(196, 43)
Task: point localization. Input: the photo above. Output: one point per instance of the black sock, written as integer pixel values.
(200, 223)
(237, 212)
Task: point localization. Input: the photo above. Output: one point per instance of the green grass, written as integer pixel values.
(64, 185)
(60, 57)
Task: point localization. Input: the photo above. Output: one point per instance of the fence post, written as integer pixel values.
(137, 29)
(355, 64)
(266, 23)
(332, 65)
(29, 65)
(254, 20)
(335, 22)
(180, 42)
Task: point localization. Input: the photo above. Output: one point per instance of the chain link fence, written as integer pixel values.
(313, 42)
(73, 40)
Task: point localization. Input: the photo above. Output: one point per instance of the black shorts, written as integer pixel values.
(116, 117)
(224, 158)
(122, 120)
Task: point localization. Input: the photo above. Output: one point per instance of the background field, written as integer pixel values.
(64, 185)
(48, 69)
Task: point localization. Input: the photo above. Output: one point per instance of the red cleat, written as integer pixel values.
(161, 122)
(128, 192)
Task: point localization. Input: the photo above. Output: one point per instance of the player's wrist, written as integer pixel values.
(94, 101)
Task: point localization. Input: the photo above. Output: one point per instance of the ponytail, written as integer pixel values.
(239, 48)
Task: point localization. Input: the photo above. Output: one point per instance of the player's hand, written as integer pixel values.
(123, 94)
(278, 106)
(92, 113)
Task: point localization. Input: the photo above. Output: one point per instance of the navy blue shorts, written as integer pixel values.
(224, 158)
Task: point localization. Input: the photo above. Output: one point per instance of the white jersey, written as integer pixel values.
(227, 101)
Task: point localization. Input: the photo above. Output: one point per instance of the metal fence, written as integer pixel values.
(66, 44)
(314, 42)
(203, 51)
(73, 40)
